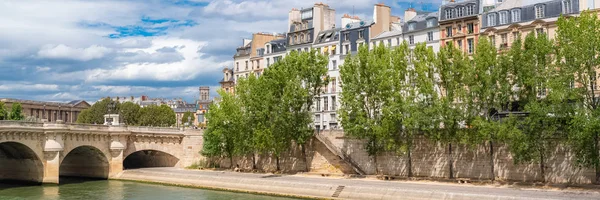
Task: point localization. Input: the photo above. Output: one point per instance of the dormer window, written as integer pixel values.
(448, 14)
(567, 7)
(459, 11)
(491, 19)
(503, 17)
(268, 49)
(470, 9)
(516, 15)
(412, 26)
(539, 11)
(430, 22)
(360, 34)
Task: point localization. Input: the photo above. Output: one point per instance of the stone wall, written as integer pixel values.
(431, 159)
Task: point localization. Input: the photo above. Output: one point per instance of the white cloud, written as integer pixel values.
(42, 69)
(28, 87)
(62, 51)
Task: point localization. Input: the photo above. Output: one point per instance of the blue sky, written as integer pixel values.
(77, 49)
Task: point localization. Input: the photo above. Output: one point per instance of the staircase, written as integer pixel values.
(333, 149)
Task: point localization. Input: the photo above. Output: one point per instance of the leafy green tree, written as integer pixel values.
(453, 68)
(129, 113)
(187, 115)
(254, 114)
(154, 115)
(223, 127)
(578, 50)
(16, 112)
(95, 114)
(84, 116)
(366, 86)
(3, 112)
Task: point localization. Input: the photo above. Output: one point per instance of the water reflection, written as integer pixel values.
(115, 190)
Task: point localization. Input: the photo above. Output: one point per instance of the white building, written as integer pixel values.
(419, 28)
(327, 104)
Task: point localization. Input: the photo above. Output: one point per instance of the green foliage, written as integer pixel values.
(16, 112)
(154, 115)
(3, 112)
(129, 113)
(190, 115)
(95, 114)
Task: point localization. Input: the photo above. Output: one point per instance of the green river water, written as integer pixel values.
(77, 189)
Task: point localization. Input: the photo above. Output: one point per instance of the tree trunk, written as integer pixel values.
(375, 162)
(493, 175)
(409, 161)
(306, 165)
(450, 161)
(597, 149)
(277, 159)
(254, 161)
(231, 162)
(542, 167)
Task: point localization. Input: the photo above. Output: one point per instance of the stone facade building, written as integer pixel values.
(50, 111)
(459, 24)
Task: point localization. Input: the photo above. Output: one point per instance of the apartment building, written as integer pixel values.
(459, 24)
(421, 28)
(305, 23)
(326, 105)
(247, 59)
(511, 19)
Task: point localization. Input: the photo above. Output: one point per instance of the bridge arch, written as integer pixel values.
(149, 158)
(85, 161)
(19, 162)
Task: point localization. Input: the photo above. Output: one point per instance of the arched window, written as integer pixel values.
(301, 37)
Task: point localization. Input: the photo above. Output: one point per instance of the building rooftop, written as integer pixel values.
(355, 25)
(388, 34)
(508, 4)
(278, 45)
(69, 104)
(328, 36)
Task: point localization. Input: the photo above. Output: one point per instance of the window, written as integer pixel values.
(246, 65)
(448, 14)
(325, 103)
(333, 85)
(411, 26)
(470, 28)
(539, 31)
(503, 17)
(268, 49)
(516, 15)
(430, 22)
(332, 118)
(449, 31)
(430, 36)
(411, 39)
(567, 7)
(257, 64)
(493, 40)
(252, 65)
(491, 20)
(296, 39)
(346, 38)
(318, 104)
(504, 39)
(360, 34)
(268, 62)
(347, 48)
(470, 45)
(470, 9)
(539, 11)
(333, 104)
(334, 64)
(317, 118)
(389, 42)
(515, 35)
(333, 50)
(306, 49)
(459, 44)
(237, 66)
(459, 11)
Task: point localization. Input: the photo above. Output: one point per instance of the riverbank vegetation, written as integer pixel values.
(130, 113)
(536, 94)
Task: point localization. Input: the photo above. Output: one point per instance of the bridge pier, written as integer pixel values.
(51, 167)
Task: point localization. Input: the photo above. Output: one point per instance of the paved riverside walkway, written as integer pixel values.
(343, 188)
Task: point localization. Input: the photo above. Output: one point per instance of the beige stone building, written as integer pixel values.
(228, 82)
(247, 58)
(49, 111)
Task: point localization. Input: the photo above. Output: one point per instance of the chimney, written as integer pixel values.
(293, 16)
(347, 19)
(381, 15)
(409, 14)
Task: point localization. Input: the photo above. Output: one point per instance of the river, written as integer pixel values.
(79, 189)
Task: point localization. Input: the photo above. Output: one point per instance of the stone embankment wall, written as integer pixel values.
(431, 159)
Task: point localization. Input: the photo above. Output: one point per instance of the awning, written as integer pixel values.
(333, 48)
(325, 49)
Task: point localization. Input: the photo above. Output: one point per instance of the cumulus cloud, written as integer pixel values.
(28, 87)
(62, 51)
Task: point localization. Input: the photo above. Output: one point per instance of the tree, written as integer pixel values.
(16, 112)
(223, 127)
(187, 115)
(578, 49)
(3, 111)
(254, 115)
(154, 115)
(130, 113)
(95, 114)
(366, 87)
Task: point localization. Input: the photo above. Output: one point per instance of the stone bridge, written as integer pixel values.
(42, 152)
